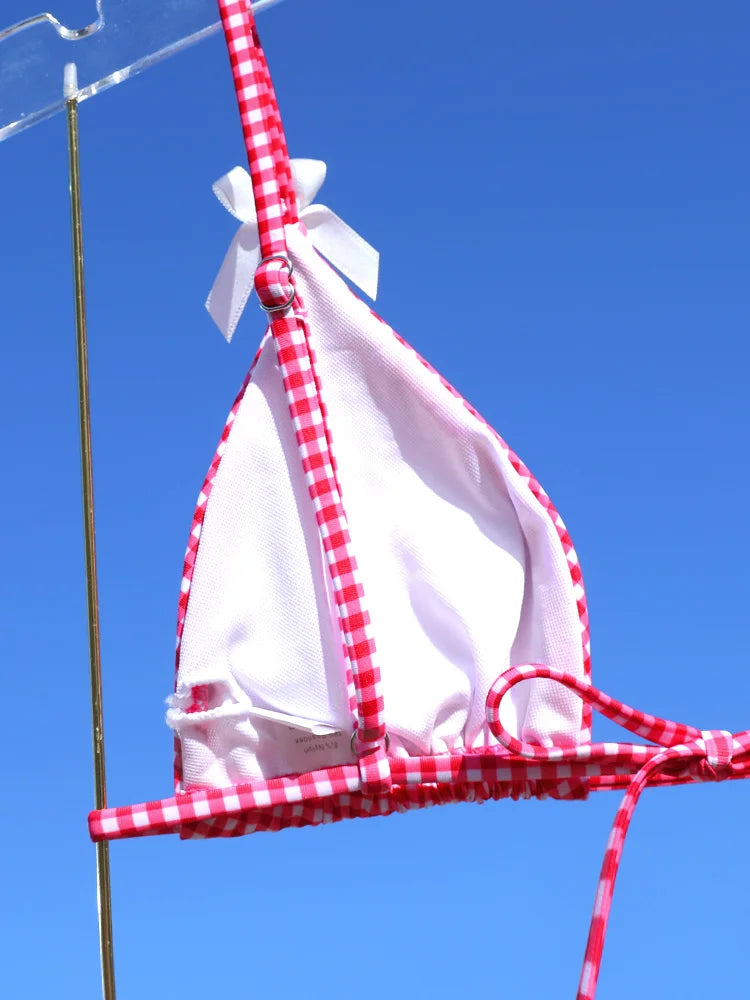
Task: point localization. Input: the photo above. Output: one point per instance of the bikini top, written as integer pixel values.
(380, 608)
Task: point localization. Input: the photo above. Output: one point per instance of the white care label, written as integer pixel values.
(308, 744)
(312, 752)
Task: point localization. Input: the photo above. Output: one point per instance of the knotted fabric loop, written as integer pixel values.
(661, 731)
(331, 236)
(709, 755)
(273, 283)
(719, 747)
(374, 764)
(375, 771)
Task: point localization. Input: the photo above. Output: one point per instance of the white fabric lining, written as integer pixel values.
(463, 571)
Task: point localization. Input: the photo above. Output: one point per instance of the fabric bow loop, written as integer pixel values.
(682, 753)
(331, 236)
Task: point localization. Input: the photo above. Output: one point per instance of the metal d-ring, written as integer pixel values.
(284, 260)
(354, 737)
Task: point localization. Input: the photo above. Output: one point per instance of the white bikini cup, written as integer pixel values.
(465, 565)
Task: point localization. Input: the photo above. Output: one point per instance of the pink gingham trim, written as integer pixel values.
(532, 484)
(270, 172)
(275, 199)
(199, 514)
(271, 175)
(273, 284)
(333, 794)
(313, 440)
(536, 489)
(379, 785)
(193, 545)
(684, 752)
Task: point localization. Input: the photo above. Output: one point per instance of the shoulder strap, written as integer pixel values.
(276, 206)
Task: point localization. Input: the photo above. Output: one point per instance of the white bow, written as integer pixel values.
(344, 248)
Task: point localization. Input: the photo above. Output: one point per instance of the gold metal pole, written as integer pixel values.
(104, 893)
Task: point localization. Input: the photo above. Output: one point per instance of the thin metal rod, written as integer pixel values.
(104, 893)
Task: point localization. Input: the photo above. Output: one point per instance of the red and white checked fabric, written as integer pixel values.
(538, 492)
(382, 782)
(275, 199)
(683, 752)
(276, 206)
(332, 794)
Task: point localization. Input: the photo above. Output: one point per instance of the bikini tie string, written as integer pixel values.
(683, 752)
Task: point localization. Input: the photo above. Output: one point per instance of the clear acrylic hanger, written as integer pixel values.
(122, 39)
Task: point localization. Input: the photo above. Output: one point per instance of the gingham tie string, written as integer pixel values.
(684, 752)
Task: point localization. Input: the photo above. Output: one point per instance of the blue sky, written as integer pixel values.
(580, 173)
